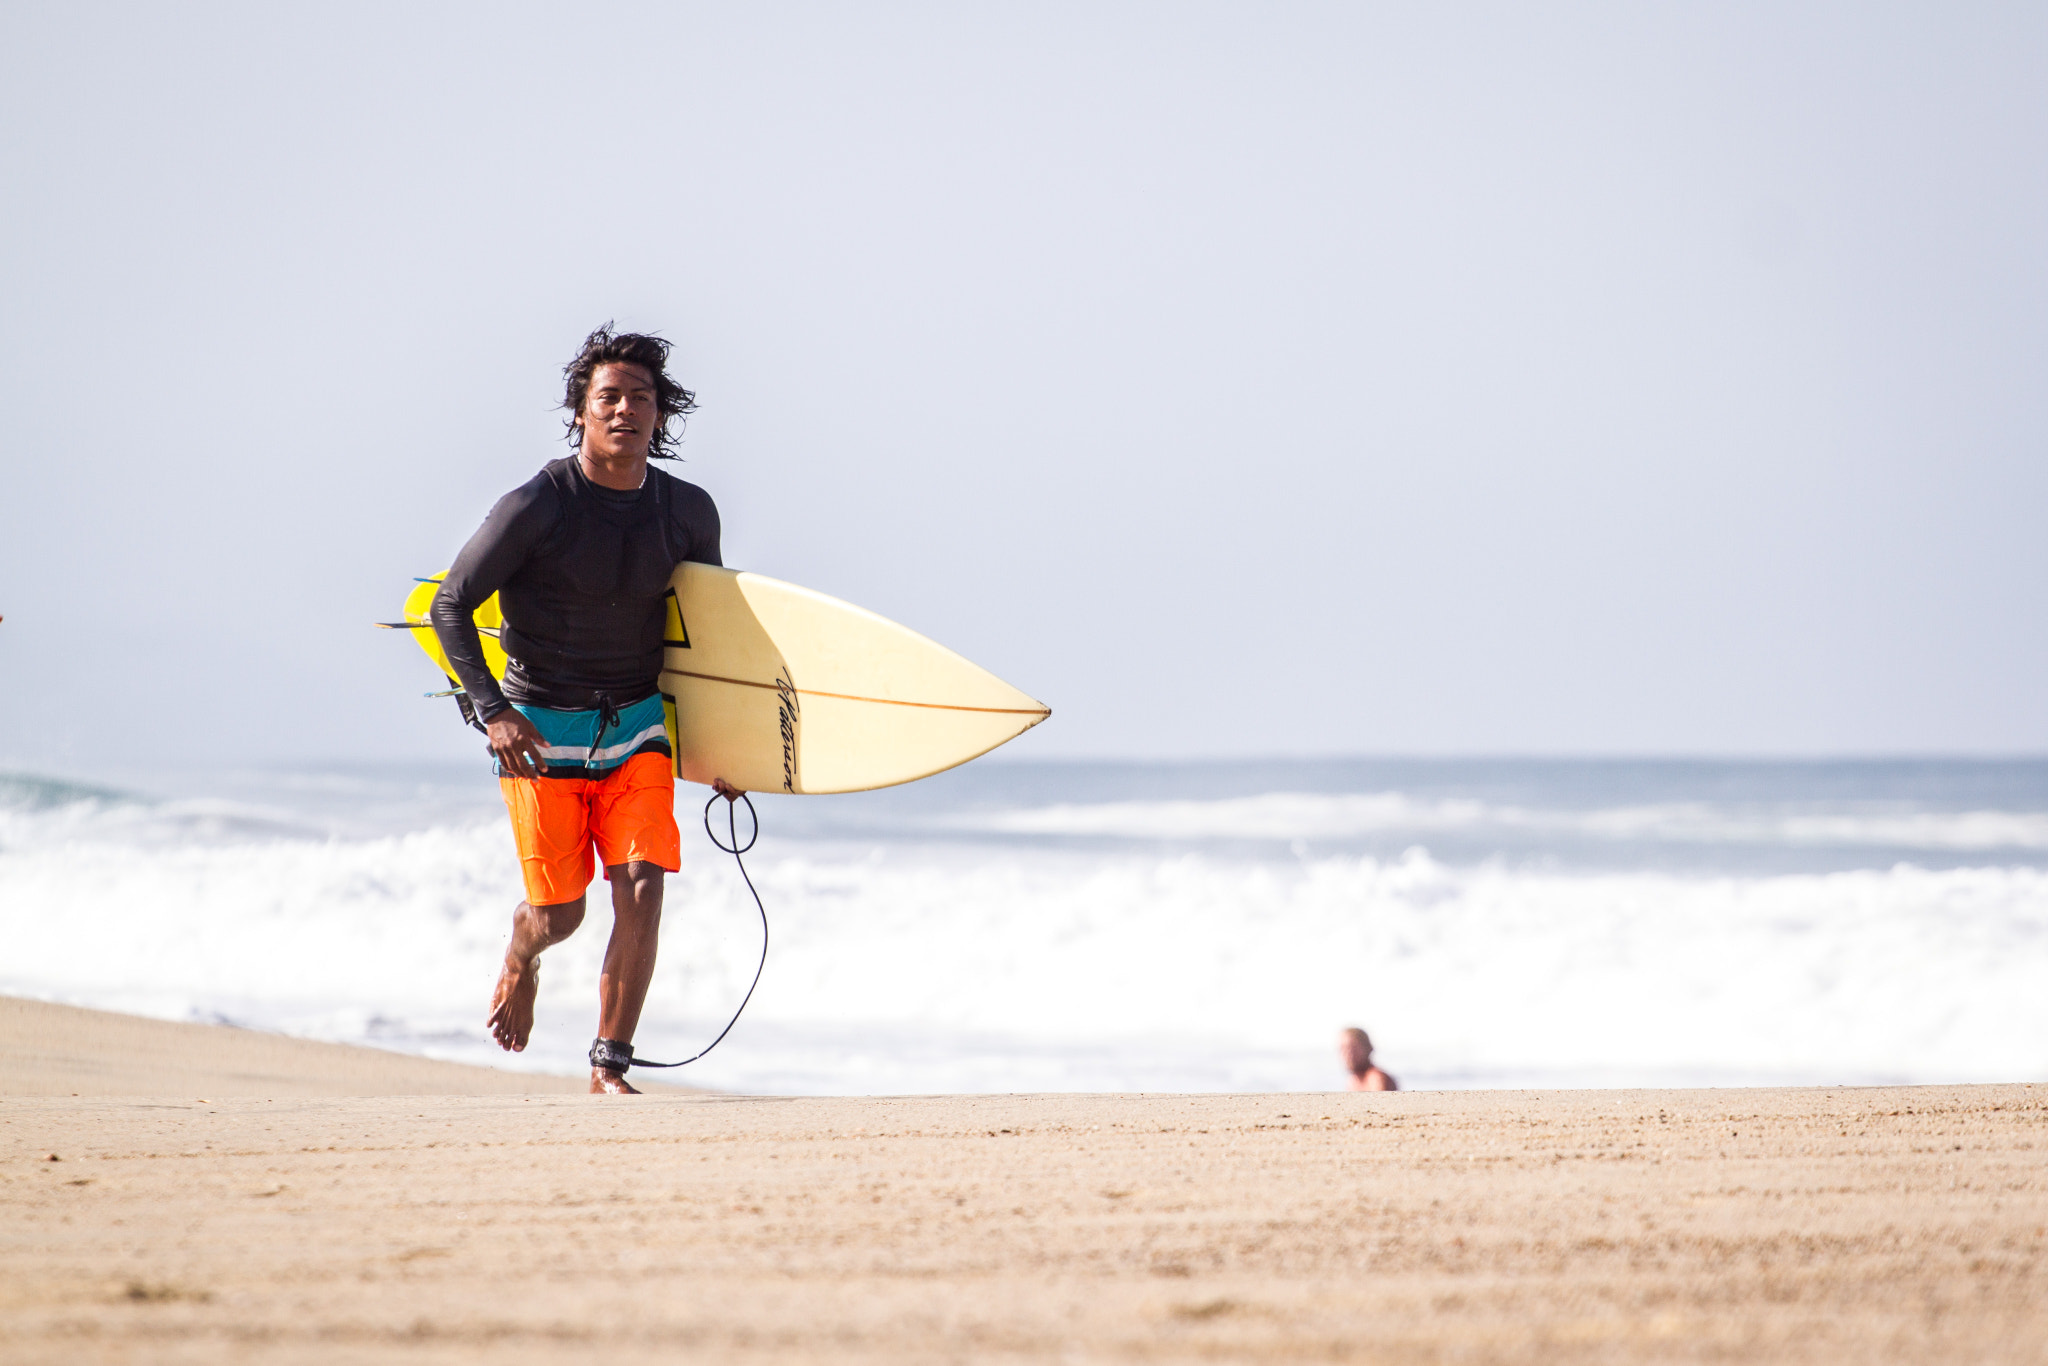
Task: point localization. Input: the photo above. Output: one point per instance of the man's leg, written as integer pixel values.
(628, 962)
(533, 928)
(634, 822)
(551, 831)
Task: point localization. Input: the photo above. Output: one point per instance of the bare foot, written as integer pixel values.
(511, 1018)
(605, 1082)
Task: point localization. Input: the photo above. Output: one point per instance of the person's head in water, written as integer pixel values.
(632, 356)
(1355, 1047)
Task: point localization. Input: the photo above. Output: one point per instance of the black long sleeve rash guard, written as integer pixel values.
(581, 571)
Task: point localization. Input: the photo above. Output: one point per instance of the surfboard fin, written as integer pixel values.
(490, 631)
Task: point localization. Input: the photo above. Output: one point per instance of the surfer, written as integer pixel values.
(580, 556)
(1355, 1047)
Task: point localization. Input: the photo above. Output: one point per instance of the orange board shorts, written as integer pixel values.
(628, 815)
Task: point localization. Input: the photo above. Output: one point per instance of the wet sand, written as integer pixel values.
(1890, 1224)
(53, 1050)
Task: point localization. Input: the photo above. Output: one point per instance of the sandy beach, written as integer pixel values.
(259, 1199)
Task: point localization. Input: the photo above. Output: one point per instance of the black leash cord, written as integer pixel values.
(735, 849)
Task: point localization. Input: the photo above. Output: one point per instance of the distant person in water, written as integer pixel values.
(1355, 1047)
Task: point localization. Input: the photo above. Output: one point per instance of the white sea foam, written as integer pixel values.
(1316, 816)
(963, 966)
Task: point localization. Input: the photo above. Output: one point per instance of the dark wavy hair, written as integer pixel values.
(673, 403)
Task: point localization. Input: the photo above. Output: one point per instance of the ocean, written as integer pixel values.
(1015, 926)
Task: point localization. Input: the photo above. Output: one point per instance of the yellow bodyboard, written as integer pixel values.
(489, 621)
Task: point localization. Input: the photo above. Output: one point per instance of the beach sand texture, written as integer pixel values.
(1888, 1224)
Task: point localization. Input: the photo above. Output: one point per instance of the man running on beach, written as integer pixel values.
(580, 556)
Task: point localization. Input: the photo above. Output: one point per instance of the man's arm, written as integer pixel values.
(508, 537)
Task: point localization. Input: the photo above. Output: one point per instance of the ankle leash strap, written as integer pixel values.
(611, 1055)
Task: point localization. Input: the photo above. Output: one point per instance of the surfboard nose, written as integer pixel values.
(802, 692)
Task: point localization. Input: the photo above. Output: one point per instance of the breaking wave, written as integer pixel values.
(1030, 959)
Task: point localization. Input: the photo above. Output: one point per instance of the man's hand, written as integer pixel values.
(515, 743)
(726, 790)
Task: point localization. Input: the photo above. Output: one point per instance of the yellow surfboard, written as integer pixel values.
(777, 688)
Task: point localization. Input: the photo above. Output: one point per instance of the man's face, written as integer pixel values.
(618, 412)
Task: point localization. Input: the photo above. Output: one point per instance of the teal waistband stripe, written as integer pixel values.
(577, 744)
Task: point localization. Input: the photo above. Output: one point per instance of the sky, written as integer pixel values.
(1237, 379)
